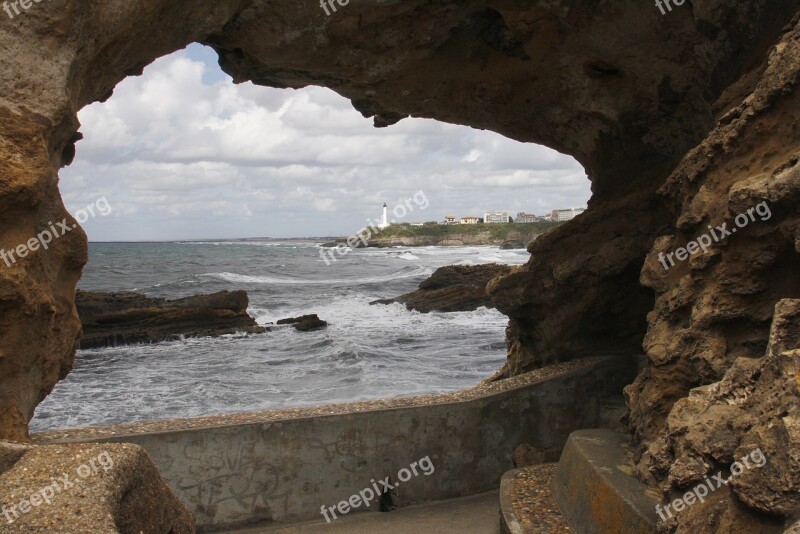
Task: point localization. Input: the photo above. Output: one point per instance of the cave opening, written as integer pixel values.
(207, 186)
(682, 120)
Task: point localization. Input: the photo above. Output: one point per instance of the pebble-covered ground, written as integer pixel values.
(483, 389)
(533, 503)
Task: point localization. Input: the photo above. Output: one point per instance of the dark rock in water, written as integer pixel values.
(513, 244)
(453, 288)
(305, 323)
(112, 319)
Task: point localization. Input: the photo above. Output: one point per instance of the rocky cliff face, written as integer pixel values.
(710, 327)
(682, 121)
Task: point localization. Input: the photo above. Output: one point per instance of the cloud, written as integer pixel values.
(182, 153)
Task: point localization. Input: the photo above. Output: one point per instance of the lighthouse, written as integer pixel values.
(385, 221)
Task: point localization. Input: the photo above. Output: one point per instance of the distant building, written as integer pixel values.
(565, 215)
(417, 224)
(495, 217)
(523, 217)
(470, 220)
(450, 219)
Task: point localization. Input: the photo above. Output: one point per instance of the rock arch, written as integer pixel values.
(662, 111)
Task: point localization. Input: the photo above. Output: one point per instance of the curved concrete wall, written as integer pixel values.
(285, 470)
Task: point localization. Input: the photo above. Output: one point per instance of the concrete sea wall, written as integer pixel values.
(283, 466)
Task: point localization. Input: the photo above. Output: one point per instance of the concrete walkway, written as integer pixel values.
(478, 514)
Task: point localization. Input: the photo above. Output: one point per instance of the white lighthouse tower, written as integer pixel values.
(385, 221)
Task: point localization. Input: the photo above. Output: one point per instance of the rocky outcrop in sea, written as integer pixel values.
(305, 323)
(111, 319)
(452, 289)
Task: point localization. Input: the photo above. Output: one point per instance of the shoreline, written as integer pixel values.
(506, 236)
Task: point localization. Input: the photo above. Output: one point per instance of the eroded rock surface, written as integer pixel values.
(710, 326)
(753, 413)
(86, 488)
(112, 319)
(681, 120)
(627, 108)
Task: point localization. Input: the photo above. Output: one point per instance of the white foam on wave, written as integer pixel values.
(491, 259)
(366, 352)
(470, 255)
(285, 244)
(354, 315)
(273, 280)
(408, 256)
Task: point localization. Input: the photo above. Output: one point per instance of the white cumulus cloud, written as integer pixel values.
(182, 153)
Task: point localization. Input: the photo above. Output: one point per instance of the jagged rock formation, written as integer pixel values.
(681, 120)
(713, 313)
(86, 488)
(453, 288)
(112, 319)
(755, 407)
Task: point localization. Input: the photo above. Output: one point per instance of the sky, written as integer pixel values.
(182, 153)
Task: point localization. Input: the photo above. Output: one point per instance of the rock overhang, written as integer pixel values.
(624, 89)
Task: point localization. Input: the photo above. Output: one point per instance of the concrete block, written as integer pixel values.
(595, 489)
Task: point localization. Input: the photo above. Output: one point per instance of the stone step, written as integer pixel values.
(527, 505)
(596, 490)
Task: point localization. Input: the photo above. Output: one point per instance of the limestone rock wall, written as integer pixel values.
(710, 327)
(55, 59)
(110, 488)
(718, 306)
(681, 120)
(752, 413)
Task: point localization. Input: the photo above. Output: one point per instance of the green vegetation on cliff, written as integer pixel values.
(495, 231)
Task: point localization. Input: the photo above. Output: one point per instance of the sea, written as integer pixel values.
(367, 352)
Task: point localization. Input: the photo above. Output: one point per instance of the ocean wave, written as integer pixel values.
(366, 352)
(407, 256)
(472, 255)
(274, 280)
(285, 244)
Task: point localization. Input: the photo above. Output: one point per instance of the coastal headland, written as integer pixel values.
(505, 235)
